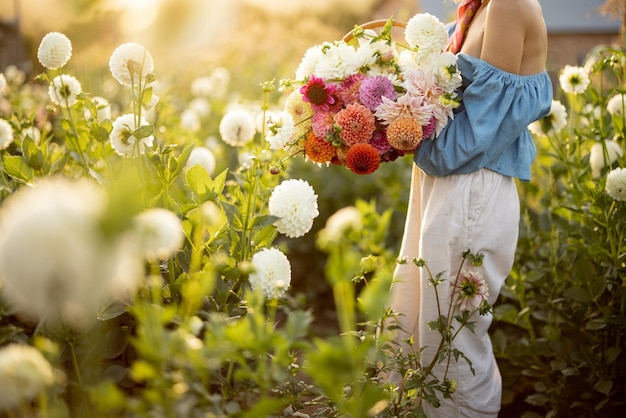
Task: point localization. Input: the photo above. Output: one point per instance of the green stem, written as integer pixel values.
(75, 363)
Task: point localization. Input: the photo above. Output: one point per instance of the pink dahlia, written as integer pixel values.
(348, 91)
(357, 124)
(373, 89)
(379, 141)
(318, 93)
(429, 130)
(322, 123)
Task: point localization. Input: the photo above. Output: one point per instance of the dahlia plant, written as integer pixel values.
(561, 328)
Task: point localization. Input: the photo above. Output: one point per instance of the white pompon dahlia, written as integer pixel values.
(160, 233)
(599, 159)
(54, 51)
(345, 219)
(6, 134)
(24, 374)
(616, 184)
(64, 90)
(272, 273)
(203, 157)
(295, 203)
(309, 61)
(55, 263)
(426, 31)
(553, 123)
(616, 104)
(130, 61)
(122, 139)
(237, 127)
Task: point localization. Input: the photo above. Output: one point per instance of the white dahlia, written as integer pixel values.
(130, 61)
(122, 139)
(272, 273)
(24, 374)
(203, 157)
(598, 159)
(616, 184)
(280, 130)
(160, 233)
(55, 263)
(64, 90)
(6, 134)
(427, 33)
(573, 79)
(237, 127)
(616, 104)
(295, 203)
(54, 51)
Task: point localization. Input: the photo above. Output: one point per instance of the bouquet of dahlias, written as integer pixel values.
(367, 99)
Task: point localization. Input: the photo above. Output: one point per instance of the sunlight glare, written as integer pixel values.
(137, 14)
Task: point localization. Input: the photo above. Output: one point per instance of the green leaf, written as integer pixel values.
(112, 311)
(297, 326)
(16, 167)
(143, 131)
(200, 183)
(147, 96)
(577, 294)
(116, 342)
(99, 133)
(263, 221)
(181, 161)
(595, 324)
(266, 407)
(141, 370)
(233, 214)
(604, 386)
(375, 297)
(219, 182)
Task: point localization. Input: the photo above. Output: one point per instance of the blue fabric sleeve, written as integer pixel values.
(490, 128)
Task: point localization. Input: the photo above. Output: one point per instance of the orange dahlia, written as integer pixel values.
(362, 158)
(404, 133)
(318, 149)
(357, 124)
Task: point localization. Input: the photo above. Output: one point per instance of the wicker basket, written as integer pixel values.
(374, 24)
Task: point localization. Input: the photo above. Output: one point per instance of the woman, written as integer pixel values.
(463, 192)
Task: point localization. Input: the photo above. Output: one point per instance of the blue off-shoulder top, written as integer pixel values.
(489, 129)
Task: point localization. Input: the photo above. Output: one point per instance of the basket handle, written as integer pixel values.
(372, 25)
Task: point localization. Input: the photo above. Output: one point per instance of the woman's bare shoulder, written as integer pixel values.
(517, 11)
(514, 30)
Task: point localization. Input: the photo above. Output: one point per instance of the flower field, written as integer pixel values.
(169, 252)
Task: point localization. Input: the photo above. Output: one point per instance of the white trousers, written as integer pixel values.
(447, 216)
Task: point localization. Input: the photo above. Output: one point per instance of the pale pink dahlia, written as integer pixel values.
(469, 290)
(357, 124)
